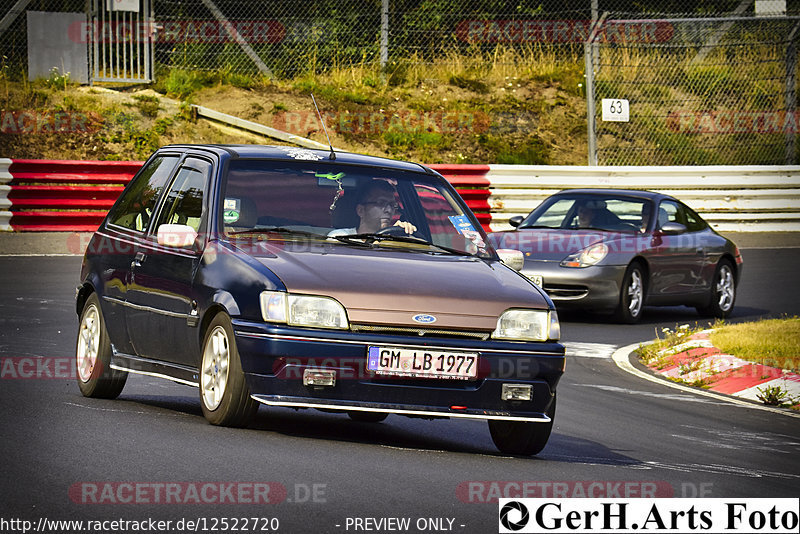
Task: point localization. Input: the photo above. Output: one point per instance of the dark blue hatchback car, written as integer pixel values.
(307, 279)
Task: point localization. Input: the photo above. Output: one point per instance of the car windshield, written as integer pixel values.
(348, 205)
(591, 212)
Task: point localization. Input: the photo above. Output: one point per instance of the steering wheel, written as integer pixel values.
(398, 231)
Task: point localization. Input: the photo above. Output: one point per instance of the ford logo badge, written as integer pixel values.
(424, 318)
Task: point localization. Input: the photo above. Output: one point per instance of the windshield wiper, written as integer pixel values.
(274, 229)
(368, 239)
(596, 228)
(538, 226)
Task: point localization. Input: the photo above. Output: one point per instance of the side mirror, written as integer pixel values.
(516, 220)
(176, 235)
(672, 228)
(513, 258)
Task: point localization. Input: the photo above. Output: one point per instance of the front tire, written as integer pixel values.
(367, 417)
(95, 376)
(723, 292)
(522, 438)
(632, 295)
(224, 395)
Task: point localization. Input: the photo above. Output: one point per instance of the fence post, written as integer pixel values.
(590, 109)
(790, 95)
(588, 53)
(384, 33)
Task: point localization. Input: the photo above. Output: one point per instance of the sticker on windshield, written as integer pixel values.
(231, 209)
(465, 228)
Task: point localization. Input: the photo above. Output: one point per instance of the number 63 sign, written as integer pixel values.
(616, 110)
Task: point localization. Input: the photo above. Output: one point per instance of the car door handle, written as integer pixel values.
(138, 259)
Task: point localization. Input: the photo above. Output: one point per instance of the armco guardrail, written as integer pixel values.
(731, 199)
(53, 195)
(60, 195)
(48, 195)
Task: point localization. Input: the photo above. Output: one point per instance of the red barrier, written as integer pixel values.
(67, 195)
(471, 183)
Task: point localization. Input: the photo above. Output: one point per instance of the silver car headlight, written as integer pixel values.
(586, 257)
(528, 325)
(303, 310)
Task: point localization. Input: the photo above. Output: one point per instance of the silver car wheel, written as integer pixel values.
(635, 293)
(88, 343)
(216, 360)
(725, 288)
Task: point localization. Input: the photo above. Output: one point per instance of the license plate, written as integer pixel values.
(535, 278)
(422, 363)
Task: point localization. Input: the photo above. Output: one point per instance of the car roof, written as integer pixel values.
(291, 153)
(633, 193)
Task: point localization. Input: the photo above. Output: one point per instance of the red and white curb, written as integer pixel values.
(697, 360)
(743, 394)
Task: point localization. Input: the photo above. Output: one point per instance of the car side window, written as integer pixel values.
(668, 211)
(693, 221)
(184, 201)
(135, 208)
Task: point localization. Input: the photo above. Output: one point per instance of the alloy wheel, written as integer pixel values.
(216, 360)
(88, 343)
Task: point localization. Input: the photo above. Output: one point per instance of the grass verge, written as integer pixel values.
(772, 342)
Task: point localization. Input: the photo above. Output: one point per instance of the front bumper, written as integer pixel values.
(597, 286)
(274, 359)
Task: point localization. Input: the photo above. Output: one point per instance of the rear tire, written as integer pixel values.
(522, 438)
(722, 296)
(224, 395)
(95, 376)
(632, 295)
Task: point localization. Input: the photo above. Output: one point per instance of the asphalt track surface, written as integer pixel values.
(62, 451)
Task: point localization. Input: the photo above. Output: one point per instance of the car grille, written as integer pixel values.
(422, 332)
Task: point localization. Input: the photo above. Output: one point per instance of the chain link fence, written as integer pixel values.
(707, 83)
(286, 38)
(693, 91)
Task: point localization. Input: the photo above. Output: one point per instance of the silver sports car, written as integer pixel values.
(619, 250)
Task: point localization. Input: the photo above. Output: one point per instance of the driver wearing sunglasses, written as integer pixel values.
(376, 208)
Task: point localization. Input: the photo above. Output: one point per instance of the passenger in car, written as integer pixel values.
(376, 206)
(646, 211)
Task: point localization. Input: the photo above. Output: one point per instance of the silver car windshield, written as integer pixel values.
(592, 212)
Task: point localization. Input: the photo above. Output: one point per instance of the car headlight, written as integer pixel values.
(586, 257)
(528, 325)
(302, 310)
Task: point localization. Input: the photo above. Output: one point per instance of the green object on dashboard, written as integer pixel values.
(331, 176)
